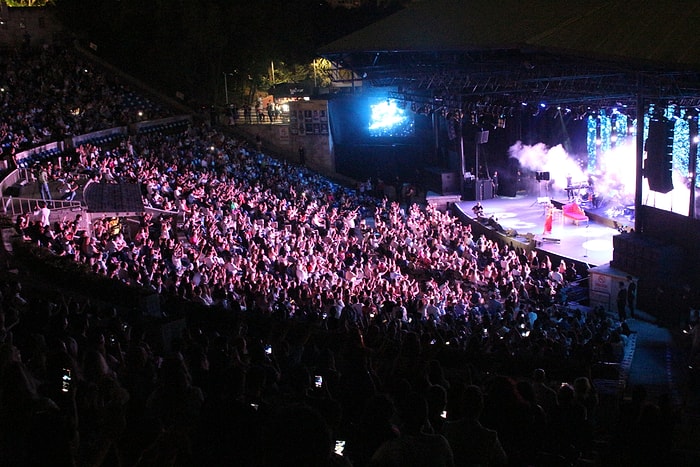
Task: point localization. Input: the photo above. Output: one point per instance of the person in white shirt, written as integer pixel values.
(43, 213)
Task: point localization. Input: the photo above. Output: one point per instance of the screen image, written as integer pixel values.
(390, 118)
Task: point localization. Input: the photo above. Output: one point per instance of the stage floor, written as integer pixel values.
(590, 243)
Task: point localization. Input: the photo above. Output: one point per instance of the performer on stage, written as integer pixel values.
(549, 213)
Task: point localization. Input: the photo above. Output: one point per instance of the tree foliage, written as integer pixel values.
(29, 3)
(188, 45)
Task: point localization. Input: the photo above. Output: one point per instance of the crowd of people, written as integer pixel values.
(327, 326)
(53, 92)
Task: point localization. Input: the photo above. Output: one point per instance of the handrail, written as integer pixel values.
(155, 212)
(14, 206)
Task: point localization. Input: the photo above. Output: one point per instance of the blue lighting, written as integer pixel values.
(605, 131)
(620, 126)
(681, 144)
(387, 119)
(591, 137)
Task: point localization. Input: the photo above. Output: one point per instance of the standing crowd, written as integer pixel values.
(324, 327)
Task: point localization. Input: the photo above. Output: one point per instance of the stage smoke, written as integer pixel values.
(614, 177)
(555, 160)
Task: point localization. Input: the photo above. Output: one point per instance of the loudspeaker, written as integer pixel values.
(441, 182)
(659, 163)
(484, 190)
(542, 176)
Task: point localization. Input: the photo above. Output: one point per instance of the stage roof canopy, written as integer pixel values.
(594, 51)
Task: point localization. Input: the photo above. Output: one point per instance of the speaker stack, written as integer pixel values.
(659, 163)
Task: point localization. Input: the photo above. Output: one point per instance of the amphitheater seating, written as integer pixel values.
(38, 157)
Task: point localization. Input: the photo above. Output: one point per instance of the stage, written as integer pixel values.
(522, 219)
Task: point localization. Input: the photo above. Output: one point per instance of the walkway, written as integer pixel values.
(660, 363)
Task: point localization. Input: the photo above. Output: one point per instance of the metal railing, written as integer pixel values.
(14, 206)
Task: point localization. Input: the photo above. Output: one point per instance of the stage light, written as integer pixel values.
(543, 105)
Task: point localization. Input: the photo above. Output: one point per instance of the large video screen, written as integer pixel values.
(390, 118)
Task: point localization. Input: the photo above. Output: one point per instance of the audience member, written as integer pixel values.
(471, 442)
(384, 300)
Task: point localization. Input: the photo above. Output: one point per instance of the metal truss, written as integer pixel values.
(508, 78)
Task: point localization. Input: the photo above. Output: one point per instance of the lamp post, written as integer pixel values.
(226, 86)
